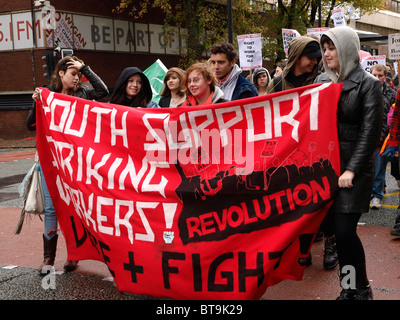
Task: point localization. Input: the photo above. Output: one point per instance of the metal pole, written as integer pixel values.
(230, 32)
(33, 46)
(320, 14)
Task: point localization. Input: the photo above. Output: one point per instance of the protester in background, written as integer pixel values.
(301, 69)
(232, 83)
(393, 145)
(394, 161)
(389, 67)
(389, 80)
(279, 69)
(359, 121)
(172, 94)
(65, 80)
(395, 78)
(133, 89)
(261, 79)
(379, 71)
(201, 86)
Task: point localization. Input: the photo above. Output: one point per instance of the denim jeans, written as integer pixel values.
(380, 175)
(50, 218)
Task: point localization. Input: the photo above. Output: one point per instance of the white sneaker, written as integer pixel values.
(375, 203)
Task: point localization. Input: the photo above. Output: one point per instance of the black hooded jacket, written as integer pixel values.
(119, 96)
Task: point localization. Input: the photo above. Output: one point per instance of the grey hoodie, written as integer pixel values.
(347, 45)
(229, 85)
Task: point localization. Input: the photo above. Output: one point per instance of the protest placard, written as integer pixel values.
(368, 62)
(338, 17)
(250, 53)
(287, 36)
(317, 31)
(394, 46)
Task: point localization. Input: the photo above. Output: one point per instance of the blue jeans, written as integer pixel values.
(380, 175)
(50, 218)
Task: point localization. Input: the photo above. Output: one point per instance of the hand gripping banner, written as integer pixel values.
(209, 202)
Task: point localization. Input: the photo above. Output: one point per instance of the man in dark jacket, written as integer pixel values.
(389, 96)
(231, 82)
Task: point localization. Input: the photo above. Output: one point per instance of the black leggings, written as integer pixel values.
(349, 247)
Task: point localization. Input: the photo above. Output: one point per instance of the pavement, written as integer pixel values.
(20, 255)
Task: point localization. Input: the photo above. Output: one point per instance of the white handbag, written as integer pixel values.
(34, 200)
(32, 193)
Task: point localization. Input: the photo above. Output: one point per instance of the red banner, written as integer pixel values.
(210, 202)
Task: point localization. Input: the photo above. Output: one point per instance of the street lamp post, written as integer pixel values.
(230, 32)
(33, 46)
(320, 14)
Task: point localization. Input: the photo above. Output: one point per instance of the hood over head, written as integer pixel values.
(257, 72)
(124, 76)
(347, 45)
(296, 48)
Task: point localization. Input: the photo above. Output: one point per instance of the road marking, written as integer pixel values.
(391, 194)
(390, 206)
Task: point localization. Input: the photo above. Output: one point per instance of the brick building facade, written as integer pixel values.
(106, 41)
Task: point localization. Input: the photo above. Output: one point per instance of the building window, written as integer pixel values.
(393, 5)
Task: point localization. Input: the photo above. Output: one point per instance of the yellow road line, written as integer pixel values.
(392, 194)
(390, 206)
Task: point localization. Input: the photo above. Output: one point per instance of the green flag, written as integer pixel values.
(156, 73)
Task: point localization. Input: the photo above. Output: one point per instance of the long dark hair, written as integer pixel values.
(139, 100)
(62, 65)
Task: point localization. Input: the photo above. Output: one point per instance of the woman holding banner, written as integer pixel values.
(66, 80)
(172, 94)
(201, 86)
(133, 89)
(359, 118)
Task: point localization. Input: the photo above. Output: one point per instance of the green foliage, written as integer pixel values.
(206, 21)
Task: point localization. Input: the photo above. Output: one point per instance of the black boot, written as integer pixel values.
(70, 265)
(330, 253)
(364, 291)
(347, 292)
(396, 229)
(49, 254)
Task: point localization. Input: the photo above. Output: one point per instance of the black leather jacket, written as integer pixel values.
(98, 92)
(359, 122)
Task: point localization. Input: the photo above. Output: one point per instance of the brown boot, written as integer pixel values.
(49, 254)
(70, 265)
